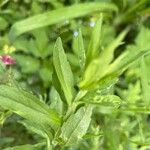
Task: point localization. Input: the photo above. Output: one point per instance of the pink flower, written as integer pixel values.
(7, 60)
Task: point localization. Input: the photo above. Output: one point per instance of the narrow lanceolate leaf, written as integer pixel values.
(124, 60)
(57, 16)
(63, 71)
(28, 106)
(98, 99)
(145, 81)
(93, 49)
(119, 65)
(76, 125)
(97, 67)
(108, 54)
(81, 51)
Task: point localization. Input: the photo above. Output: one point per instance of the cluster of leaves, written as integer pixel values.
(91, 85)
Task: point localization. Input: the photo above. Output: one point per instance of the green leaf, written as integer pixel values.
(97, 68)
(107, 54)
(94, 97)
(76, 125)
(55, 101)
(91, 74)
(125, 60)
(145, 81)
(55, 16)
(28, 106)
(63, 71)
(94, 45)
(81, 50)
(107, 81)
(32, 126)
(4, 115)
(94, 79)
(27, 147)
(57, 86)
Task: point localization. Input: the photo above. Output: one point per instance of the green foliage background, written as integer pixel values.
(87, 64)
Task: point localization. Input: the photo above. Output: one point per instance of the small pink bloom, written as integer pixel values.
(7, 60)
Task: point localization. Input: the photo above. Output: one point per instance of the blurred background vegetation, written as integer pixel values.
(33, 70)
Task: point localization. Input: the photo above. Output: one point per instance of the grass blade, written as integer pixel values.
(57, 16)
